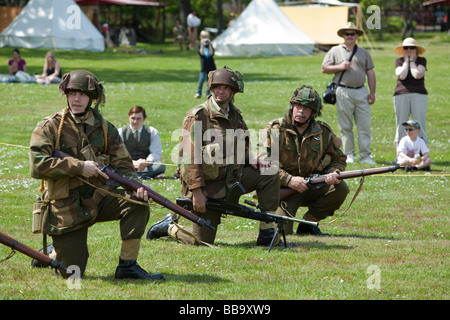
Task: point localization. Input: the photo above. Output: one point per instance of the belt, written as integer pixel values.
(348, 87)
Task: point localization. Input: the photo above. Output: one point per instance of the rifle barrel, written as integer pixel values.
(356, 173)
(134, 185)
(16, 245)
(287, 192)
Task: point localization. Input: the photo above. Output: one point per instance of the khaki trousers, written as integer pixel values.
(267, 189)
(352, 104)
(321, 203)
(71, 248)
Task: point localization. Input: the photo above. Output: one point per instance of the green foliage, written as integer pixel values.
(399, 222)
(394, 24)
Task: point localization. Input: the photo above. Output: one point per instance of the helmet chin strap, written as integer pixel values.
(226, 102)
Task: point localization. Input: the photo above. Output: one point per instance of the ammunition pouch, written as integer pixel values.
(38, 214)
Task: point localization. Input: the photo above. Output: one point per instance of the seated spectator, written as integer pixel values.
(143, 144)
(16, 63)
(412, 151)
(51, 71)
(18, 69)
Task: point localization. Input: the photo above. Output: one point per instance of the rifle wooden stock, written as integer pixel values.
(134, 185)
(315, 179)
(16, 245)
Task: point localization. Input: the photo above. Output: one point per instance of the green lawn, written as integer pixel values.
(397, 226)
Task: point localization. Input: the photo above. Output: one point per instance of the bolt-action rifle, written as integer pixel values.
(16, 245)
(132, 184)
(231, 206)
(316, 181)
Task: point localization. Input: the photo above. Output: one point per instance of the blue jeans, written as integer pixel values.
(202, 78)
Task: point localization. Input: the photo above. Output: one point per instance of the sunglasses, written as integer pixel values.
(350, 33)
(410, 129)
(409, 48)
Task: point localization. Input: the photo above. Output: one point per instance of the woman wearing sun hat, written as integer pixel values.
(410, 95)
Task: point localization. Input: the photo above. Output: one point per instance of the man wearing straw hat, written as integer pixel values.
(353, 100)
(410, 94)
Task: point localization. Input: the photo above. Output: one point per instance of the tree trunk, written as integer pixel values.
(185, 9)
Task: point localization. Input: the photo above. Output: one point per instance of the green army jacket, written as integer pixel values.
(69, 202)
(210, 157)
(316, 152)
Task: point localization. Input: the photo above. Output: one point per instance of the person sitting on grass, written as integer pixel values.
(144, 145)
(412, 151)
(51, 72)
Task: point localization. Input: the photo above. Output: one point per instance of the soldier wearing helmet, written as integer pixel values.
(85, 82)
(308, 146)
(212, 174)
(72, 187)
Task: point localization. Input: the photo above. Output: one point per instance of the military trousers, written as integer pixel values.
(321, 203)
(72, 249)
(267, 188)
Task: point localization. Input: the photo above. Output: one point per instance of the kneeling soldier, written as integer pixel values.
(208, 178)
(74, 197)
(307, 147)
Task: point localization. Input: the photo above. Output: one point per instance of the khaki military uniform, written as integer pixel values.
(316, 151)
(205, 129)
(70, 205)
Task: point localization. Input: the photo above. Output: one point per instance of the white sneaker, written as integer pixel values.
(367, 160)
(197, 96)
(350, 158)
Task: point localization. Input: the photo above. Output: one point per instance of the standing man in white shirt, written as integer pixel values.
(143, 144)
(192, 22)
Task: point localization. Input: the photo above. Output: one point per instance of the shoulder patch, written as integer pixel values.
(42, 123)
(193, 112)
(323, 124)
(275, 122)
(337, 141)
(47, 119)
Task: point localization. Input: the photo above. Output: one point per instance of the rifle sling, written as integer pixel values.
(114, 194)
(190, 234)
(9, 255)
(351, 202)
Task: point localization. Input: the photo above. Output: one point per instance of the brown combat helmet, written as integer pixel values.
(84, 81)
(226, 76)
(308, 97)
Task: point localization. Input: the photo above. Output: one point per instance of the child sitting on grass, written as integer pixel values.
(412, 151)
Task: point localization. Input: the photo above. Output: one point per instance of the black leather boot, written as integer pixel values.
(129, 269)
(161, 228)
(265, 238)
(306, 229)
(38, 264)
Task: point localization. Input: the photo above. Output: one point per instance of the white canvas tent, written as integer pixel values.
(263, 30)
(52, 24)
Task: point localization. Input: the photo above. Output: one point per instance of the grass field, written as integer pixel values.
(392, 244)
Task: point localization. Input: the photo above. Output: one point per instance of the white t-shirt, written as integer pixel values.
(193, 21)
(411, 148)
